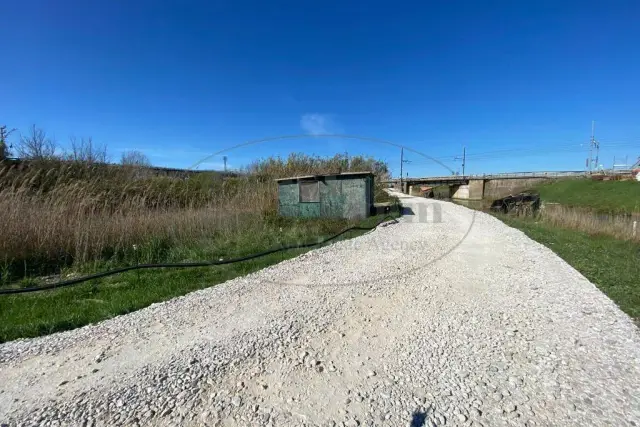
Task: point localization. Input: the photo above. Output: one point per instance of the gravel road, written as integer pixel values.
(448, 317)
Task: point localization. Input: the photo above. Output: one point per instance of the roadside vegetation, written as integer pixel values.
(65, 214)
(606, 197)
(46, 312)
(590, 225)
(595, 207)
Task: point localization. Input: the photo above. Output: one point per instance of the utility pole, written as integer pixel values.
(401, 168)
(593, 144)
(463, 158)
(589, 162)
(597, 145)
(225, 163)
(402, 162)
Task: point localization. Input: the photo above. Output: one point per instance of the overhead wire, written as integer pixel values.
(524, 151)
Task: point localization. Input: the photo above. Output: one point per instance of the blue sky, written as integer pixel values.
(521, 81)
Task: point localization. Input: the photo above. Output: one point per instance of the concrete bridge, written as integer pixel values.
(478, 187)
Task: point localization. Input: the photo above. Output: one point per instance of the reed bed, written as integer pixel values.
(56, 214)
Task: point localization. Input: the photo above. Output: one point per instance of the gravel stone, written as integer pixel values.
(447, 313)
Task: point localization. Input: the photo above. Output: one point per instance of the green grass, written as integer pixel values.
(42, 313)
(611, 264)
(602, 196)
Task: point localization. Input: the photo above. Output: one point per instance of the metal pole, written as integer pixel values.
(593, 125)
(464, 156)
(401, 168)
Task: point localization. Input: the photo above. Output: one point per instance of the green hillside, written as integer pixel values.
(602, 196)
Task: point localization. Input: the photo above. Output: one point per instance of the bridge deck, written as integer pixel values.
(454, 179)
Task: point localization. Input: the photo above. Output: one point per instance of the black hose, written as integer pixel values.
(107, 273)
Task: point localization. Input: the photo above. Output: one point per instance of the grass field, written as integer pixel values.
(41, 313)
(62, 217)
(617, 197)
(611, 264)
(595, 207)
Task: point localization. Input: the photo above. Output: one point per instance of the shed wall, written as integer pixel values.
(354, 193)
(331, 198)
(288, 199)
(340, 197)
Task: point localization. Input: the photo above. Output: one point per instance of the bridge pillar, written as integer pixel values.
(460, 192)
(476, 189)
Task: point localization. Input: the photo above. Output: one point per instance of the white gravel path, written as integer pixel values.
(460, 322)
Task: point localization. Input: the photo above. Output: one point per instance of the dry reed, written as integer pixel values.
(62, 213)
(589, 221)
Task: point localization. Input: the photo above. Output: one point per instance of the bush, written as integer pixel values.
(56, 213)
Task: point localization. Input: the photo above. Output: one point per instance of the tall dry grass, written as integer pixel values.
(592, 222)
(55, 217)
(55, 213)
(296, 164)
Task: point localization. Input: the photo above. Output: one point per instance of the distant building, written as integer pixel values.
(346, 195)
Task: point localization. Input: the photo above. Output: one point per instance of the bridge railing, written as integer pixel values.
(530, 174)
(538, 174)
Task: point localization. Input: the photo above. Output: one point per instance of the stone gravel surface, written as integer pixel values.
(448, 317)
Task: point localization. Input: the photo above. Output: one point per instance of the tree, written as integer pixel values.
(134, 158)
(84, 150)
(36, 145)
(4, 149)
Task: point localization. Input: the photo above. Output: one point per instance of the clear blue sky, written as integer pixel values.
(180, 80)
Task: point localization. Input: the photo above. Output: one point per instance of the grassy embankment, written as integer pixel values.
(591, 231)
(69, 219)
(595, 207)
(607, 197)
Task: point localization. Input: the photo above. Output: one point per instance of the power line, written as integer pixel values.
(602, 144)
(521, 152)
(511, 150)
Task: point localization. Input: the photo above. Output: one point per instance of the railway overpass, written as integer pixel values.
(477, 187)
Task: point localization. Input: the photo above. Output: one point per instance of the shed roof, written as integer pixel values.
(352, 174)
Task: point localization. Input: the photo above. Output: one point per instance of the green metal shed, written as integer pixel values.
(345, 195)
